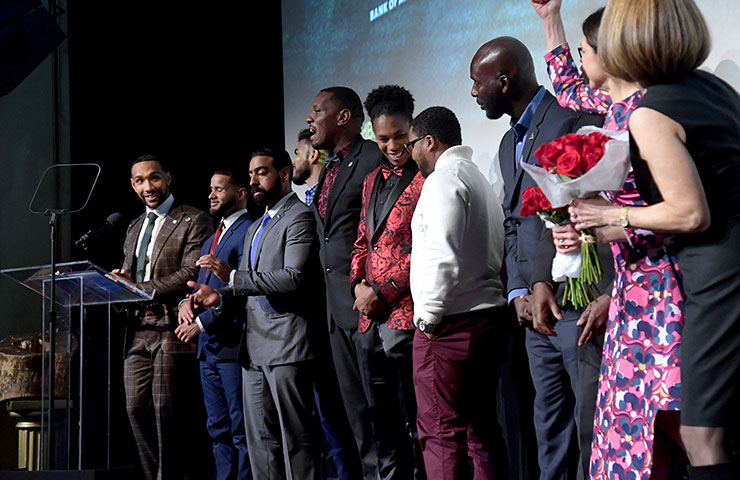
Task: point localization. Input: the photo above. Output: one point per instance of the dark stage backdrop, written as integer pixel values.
(198, 84)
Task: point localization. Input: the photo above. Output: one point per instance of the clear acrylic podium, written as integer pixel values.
(78, 285)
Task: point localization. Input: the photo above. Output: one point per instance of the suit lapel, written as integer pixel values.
(370, 210)
(225, 237)
(534, 130)
(169, 224)
(245, 263)
(403, 182)
(532, 133)
(345, 171)
(131, 240)
(273, 221)
(315, 203)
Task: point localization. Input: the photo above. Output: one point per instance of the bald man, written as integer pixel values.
(504, 83)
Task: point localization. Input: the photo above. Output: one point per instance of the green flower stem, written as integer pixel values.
(579, 292)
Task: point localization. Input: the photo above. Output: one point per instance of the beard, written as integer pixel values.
(268, 196)
(493, 107)
(221, 210)
(301, 174)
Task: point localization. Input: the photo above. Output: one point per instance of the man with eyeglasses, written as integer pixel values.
(458, 246)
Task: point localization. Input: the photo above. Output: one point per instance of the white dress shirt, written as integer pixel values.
(161, 211)
(457, 241)
(229, 221)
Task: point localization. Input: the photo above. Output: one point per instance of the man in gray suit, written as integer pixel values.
(275, 285)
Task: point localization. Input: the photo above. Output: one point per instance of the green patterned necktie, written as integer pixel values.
(141, 256)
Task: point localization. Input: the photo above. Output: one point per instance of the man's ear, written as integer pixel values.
(242, 193)
(430, 143)
(343, 117)
(503, 82)
(285, 174)
(314, 157)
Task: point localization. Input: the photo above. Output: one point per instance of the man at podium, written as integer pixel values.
(161, 249)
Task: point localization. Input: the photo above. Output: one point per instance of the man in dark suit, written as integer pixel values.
(591, 326)
(504, 82)
(218, 338)
(276, 281)
(335, 123)
(161, 249)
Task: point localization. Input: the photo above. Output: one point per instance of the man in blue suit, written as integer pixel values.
(504, 82)
(218, 338)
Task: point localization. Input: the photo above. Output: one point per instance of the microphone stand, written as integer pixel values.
(52, 318)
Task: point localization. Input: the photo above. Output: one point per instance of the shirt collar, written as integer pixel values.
(453, 154)
(521, 126)
(276, 208)
(164, 208)
(339, 155)
(229, 221)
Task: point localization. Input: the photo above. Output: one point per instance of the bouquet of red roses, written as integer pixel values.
(580, 270)
(577, 165)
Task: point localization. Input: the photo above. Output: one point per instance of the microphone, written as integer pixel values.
(113, 220)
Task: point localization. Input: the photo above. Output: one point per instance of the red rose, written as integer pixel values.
(593, 149)
(573, 142)
(548, 154)
(533, 201)
(570, 164)
(592, 155)
(597, 138)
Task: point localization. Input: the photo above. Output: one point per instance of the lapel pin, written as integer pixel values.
(350, 164)
(531, 136)
(174, 221)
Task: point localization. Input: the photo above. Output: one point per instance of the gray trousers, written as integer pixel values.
(282, 431)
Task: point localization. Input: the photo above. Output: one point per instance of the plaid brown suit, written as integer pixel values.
(151, 347)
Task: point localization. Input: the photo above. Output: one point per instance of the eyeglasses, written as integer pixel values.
(580, 53)
(410, 146)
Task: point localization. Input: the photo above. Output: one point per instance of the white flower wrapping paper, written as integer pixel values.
(608, 174)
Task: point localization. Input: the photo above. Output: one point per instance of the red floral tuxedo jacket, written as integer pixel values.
(382, 251)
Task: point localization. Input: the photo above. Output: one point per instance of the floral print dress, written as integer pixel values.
(640, 365)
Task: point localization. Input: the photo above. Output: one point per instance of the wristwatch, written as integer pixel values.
(426, 327)
(623, 220)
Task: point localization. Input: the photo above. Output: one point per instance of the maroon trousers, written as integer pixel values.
(455, 382)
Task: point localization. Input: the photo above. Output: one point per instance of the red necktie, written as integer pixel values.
(387, 172)
(214, 243)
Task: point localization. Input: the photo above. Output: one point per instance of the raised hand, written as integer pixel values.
(545, 8)
(219, 268)
(204, 296)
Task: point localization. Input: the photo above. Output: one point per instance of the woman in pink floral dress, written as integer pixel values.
(640, 368)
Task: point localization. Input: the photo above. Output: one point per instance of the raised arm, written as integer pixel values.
(571, 89)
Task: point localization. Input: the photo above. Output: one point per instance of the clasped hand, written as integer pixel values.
(366, 301)
(203, 297)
